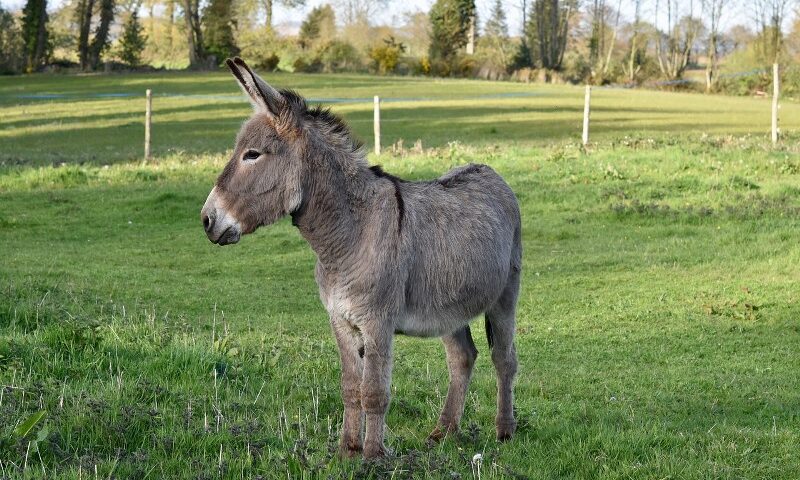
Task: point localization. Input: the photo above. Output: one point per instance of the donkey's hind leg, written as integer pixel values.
(461, 355)
(500, 324)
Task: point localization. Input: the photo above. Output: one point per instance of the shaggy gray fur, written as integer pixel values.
(420, 258)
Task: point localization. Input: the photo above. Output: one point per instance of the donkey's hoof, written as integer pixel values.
(439, 433)
(505, 430)
(348, 450)
(375, 452)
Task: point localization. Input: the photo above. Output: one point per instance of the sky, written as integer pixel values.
(394, 13)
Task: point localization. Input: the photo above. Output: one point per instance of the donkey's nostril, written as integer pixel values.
(206, 223)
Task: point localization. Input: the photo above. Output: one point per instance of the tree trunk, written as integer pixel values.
(471, 36)
(711, 64)
(268, 14)
(194, 34)
(100, 40)
(41, 36)
(84, 15)
(171, 25)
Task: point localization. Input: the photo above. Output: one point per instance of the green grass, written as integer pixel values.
(658, 321)
(198, 113)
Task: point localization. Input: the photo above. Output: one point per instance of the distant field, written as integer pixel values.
(659, 318)
(99, 119)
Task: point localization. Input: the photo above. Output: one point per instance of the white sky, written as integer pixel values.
(397, 8)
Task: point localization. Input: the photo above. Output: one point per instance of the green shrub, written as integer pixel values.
(338, 56)
(386, 57)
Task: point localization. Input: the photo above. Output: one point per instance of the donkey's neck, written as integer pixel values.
(333, 207)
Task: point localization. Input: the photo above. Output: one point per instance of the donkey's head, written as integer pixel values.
(262, 181)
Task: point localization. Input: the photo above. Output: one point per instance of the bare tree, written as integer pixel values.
(769, 15)
(601, 47)
(712, 12)
(359, 11)
(633, 65)
(674, 46)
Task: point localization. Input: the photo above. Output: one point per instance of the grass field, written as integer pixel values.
(659, 319)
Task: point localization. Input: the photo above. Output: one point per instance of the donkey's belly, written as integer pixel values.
(432, 325)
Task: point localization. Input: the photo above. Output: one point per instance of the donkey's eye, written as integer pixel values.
(251, 155)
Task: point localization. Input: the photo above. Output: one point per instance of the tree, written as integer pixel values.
(12, 49)
(100, 41)
(34, 34)
(769, 15)
(712, 11)
(359, 11)
(89, 52)
(601, 47)
(268, 5)
(218, 26)
(674, 47)
(133, 40)
(194, 34)
(637, 50)
(495, 37)
(548, 29)
(450, 23)
(319, 27)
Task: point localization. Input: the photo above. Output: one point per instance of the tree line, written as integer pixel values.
(595, 41)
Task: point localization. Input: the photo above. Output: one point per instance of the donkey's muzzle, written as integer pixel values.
(220, 227)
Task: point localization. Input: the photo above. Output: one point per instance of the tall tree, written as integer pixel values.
(602, 42)
(319, 27)
(269, 4)
(83, 17)
(219, 24)
(100, 41)
(637, 47)
(34, 33)
(770, 15)
(712, 11)
(91, 49)
(359, 11)
(548, 30)
(495, 36)
(194, 34)
(674, 46)
(133, 40)
(450, 23)
(11, 45)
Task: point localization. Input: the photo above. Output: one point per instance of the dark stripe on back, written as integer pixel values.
(401, 206)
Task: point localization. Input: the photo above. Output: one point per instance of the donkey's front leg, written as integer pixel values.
(375, 384)
(350, 346)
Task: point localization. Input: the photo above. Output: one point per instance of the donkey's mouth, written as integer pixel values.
(229, 236)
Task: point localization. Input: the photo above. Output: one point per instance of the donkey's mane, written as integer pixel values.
(332, 124)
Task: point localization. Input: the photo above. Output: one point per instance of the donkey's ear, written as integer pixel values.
(264, 98)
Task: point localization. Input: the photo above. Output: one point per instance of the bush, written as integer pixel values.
(270, 63)
(265, 51)
(11, 46)
(338, 56)
(385, 57)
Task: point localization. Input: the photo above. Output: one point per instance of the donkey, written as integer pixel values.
(417, 258)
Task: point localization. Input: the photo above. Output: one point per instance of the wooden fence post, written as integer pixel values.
(147, 120)
(776, 92)
(586, 109)
(377, 125)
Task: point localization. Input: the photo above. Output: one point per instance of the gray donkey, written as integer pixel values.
(419, 258)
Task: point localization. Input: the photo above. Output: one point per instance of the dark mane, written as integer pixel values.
(296, 104)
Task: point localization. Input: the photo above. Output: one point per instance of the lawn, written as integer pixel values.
(659, 318)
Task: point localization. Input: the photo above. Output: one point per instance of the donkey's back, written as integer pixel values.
(462, 234)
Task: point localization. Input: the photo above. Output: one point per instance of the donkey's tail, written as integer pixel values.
(489, 332)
